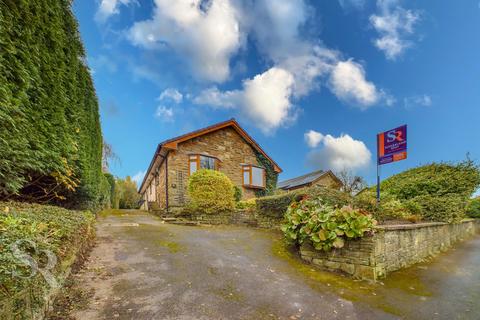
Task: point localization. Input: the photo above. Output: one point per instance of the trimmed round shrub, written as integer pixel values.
(210, 192)
(323, 225)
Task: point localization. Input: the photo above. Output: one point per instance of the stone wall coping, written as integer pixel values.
(414, 225)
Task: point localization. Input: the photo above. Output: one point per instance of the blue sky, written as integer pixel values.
(311, 81)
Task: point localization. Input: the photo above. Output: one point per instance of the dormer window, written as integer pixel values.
(253, 176)
(199, 161)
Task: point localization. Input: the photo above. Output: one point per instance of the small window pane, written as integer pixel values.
(246, 177)
(257, 177)
(207, 163)
(193, 167)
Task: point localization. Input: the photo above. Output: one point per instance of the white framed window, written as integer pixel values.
(253, 176)
(198, 161)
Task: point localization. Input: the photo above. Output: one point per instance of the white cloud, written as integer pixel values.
(265, 99)
(213, 97)
(171, 94)
(164, 114)
(313, 138)
(338, 153)
(394, 25)
(348, 83)
(205, 34)
(420, 100)
(109, 8)
(138, 177)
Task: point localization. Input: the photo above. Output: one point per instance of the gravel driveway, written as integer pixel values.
(142, 268)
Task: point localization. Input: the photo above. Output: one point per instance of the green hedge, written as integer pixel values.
(276, 206)
(50, 135)
(48, 228)
(435, 192)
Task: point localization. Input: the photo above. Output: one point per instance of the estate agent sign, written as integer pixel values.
(392, 145)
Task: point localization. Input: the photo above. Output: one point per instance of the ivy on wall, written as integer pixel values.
(271, 176)
(50, 135)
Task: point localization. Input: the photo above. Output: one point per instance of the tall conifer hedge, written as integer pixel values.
(50, 135)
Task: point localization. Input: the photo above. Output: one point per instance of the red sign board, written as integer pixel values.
(392, 145)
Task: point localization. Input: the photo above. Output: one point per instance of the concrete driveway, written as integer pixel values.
(142, 268)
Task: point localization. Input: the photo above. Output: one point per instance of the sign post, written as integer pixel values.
(391, 147)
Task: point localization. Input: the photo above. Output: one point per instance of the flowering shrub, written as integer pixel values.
(326, 227)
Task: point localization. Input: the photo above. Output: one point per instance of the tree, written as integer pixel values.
(126, 195)
(352, 184)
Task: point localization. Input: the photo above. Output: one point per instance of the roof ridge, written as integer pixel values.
(303, 176)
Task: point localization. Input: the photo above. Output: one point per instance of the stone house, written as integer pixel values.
(223, 146)
(317, 178)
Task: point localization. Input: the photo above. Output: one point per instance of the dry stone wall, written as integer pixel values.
(391, 248)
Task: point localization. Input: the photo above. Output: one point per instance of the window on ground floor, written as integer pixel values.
(198, 161)
(253, 176)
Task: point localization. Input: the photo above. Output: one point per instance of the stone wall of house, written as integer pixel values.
(390, 249)
(160, 183)
(226, 145)
(327, 181)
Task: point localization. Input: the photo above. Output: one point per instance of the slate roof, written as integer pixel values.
(302, 180)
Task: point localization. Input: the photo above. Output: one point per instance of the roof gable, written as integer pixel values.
(306, 179)
(172, 144)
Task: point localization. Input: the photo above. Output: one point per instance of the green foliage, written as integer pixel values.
(238, 194)
(447, 208)
(270, 175)
(211, 192)
(111, 182)
(275, 206)
(48, 228)
(50, 136)
(473, 208)
(126, 195)
(435, 192)
(436, 179)
(329, 196)
(323, 225)
(249, 204)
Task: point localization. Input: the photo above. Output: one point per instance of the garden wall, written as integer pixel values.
(391, 248)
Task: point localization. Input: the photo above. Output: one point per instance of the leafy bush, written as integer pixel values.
(126, 195)
(448, 208)
(46, 228)
(276, 206)
(238, 194)
(436, 179)
(473, 208)
(51, 140)
(332, 197)
(325, 226)
(247, 204)
(435, 192)
(211, 191)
